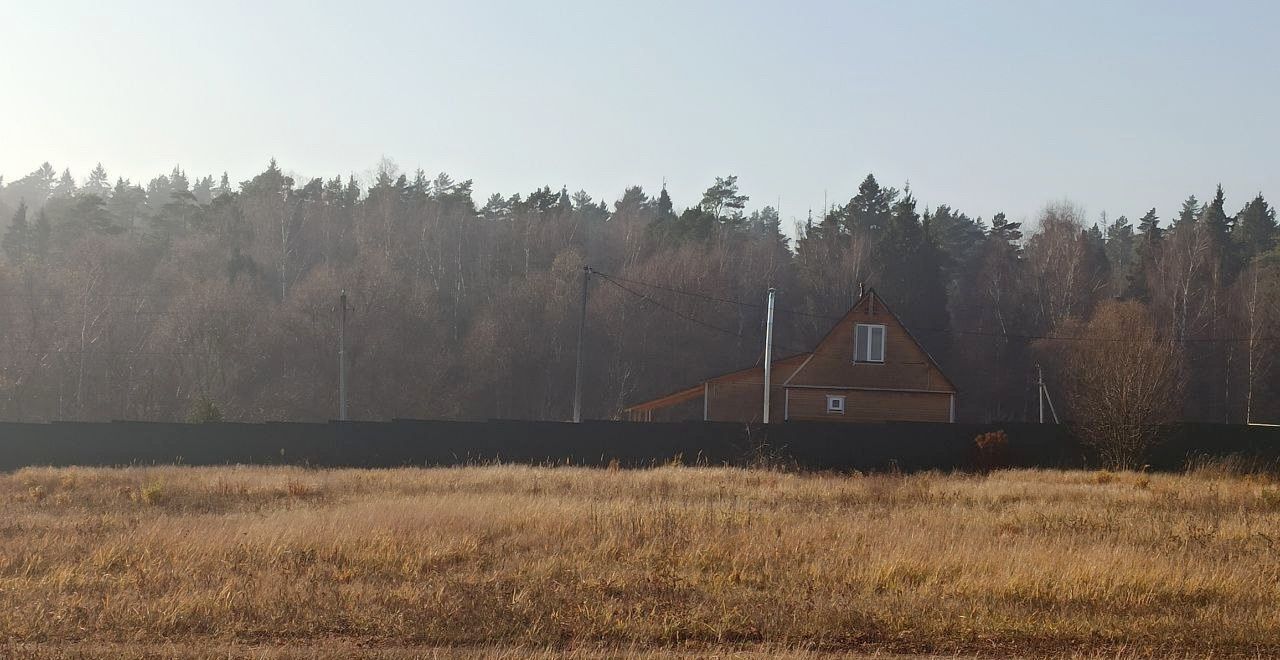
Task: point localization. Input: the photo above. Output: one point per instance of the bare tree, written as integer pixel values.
(1067, 273)
(1122, 379)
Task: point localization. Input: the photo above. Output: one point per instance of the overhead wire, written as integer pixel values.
(952, 331)
(656, 303)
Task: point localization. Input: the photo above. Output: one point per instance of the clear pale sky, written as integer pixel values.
(986, 106)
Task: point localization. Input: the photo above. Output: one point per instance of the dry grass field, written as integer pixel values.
(508, 561)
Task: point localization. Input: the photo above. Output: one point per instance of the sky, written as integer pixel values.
(985, 106)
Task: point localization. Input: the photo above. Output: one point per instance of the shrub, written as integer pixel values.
(203, 411)
(992, 450)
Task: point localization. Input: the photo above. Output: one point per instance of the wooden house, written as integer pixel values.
(868, 368)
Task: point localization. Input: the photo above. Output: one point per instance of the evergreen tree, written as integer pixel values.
(587, 210)
(223, 187)
(722, 200)
(634, 202)
(128, 204)
(1189, 214)
(496, 208)
(1146, 248)
(66, 186)
(767, 224)
(1005, 231)
(1254, 232)
(666, 211)
(1120, 246)
(203, 190)
(868, 211)
(34, 188)
(1216, 219)
(913, 275)
(958, 236)
(41, 236)
(17, 239)
(98, 183)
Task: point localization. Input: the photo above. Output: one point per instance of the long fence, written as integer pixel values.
(814, 446)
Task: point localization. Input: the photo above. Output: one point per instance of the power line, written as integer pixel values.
(694, 294)
(684, 316)
(952, 331)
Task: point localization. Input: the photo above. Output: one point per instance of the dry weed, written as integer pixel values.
(685, 559)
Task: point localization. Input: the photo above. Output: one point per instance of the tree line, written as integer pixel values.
(203, 296)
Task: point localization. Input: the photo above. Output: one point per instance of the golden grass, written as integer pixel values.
(567, 560)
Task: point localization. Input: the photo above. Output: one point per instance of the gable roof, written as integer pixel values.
(689, 393)
(870, 293)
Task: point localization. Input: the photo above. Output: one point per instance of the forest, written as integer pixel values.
(202, 298)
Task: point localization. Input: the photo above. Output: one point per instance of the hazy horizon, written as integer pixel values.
(986, 107)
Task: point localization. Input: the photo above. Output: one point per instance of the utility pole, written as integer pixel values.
(342, 356)
(768, 354)
(582, 332)
(1040, 390)
(1044, 396)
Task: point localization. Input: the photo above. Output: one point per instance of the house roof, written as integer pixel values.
(680, 396)
(687, 394)
(858, 303)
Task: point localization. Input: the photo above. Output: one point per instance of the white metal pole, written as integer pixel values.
(768, 354)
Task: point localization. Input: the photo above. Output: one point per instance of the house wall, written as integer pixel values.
(739, 397)
(685, 411)
(805, 404)
(905, 366)
(907, 385)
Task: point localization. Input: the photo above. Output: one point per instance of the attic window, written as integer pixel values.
(835, 404)
(868, 343)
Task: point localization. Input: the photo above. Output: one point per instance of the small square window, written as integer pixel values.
(835, 404)
(868, 343)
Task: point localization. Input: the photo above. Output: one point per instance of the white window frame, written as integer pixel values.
(884, 332)
(837, 399)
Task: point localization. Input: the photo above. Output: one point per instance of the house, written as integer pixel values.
(868, 368)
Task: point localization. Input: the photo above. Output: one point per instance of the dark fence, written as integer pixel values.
(815, 446)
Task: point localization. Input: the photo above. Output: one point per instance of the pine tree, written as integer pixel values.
(223, 188)
(1190, 212)
(958, 235)
(722, 200)
(1008, 232)
(34, 188)
(1146, 248)
(1120, 246)
(1216, 219)
(869, 210)
(66, 186)
(17, 239)
(98, 183)
(41, 236)
(913, 274)
(666, 210)
(1255, 230)
(203, 190)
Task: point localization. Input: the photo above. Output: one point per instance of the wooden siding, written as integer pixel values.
(806, 404)
(906, 386)
(739, 397)
(906, 366)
